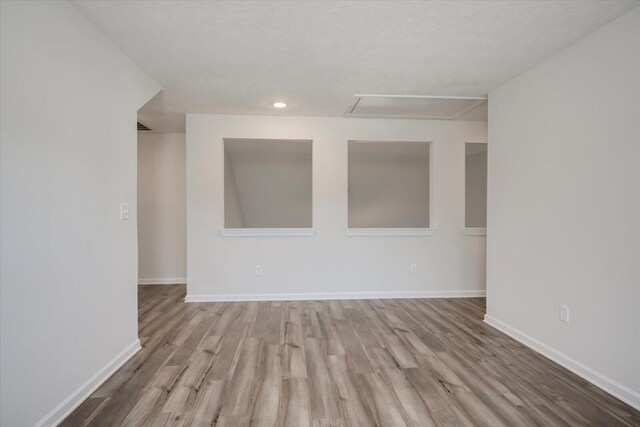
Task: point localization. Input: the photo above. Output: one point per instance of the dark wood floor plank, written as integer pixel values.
(415, 362)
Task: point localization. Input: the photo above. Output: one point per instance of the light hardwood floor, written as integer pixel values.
(337, 363)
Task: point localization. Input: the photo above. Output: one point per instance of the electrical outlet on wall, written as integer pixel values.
(564, 313)
(124, 211)
(258, 270)
(413, 269)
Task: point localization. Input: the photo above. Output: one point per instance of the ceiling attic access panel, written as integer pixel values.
(418, 107)
(267, 186)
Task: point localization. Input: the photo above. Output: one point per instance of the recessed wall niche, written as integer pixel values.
(389, 184)
(475, 195)
(267, 183)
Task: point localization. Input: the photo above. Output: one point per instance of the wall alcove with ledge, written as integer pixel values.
(267, 187)
(317, 247)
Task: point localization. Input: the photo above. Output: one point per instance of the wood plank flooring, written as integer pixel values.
(337, 363)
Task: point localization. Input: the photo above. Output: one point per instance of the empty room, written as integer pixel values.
(319, 213)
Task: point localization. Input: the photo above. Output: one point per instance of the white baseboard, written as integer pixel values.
(163, 281)
(60, 412)
(607, 384)
(334, 296)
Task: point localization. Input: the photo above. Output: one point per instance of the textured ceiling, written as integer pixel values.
(239, 57)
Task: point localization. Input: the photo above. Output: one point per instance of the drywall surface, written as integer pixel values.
(162, 208)
(68, 160)
(564, 203)
(330, 261)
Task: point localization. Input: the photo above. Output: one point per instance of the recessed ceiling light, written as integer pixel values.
(279, 104)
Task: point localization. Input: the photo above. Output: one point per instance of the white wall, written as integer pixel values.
(162, 208)
(330, 261)
(564, 203)
(68, 159)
